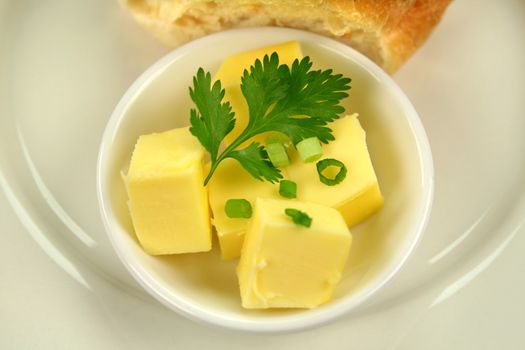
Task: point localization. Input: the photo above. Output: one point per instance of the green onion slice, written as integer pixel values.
(288, 189)
(309, 149)
(277, 154)
(238, 208)
(299, 217)
(325, 163)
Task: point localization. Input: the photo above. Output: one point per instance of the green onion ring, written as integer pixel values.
(325, 163)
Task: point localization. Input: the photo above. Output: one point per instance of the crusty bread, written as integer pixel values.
(387, 31)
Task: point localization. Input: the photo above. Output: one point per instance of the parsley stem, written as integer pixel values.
(232, 146)
(210, 173)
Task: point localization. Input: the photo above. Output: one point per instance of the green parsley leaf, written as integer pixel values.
(255, 160)
(212, 120)
(296, 101)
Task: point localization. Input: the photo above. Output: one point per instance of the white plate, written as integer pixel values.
(64, 65)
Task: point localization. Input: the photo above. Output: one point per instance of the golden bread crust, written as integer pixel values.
(387, 31)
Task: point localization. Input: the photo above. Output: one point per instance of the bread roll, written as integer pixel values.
(387, 31)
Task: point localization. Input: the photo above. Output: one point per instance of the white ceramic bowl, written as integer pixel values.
(201, 286)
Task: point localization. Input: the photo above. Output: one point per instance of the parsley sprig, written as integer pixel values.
(297, 101)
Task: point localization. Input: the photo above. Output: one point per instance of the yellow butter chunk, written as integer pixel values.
(358, 195)
(285, 265)
(230, 74)
(232, 181)
(167, 200)
(232, 68)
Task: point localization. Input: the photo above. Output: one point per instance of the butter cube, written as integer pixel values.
(358, 196)
(230, 74)
(231, 181)
(285, 265)
(232, 68)
(167, 200)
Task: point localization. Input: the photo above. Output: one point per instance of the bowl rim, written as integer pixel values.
(274, 324)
